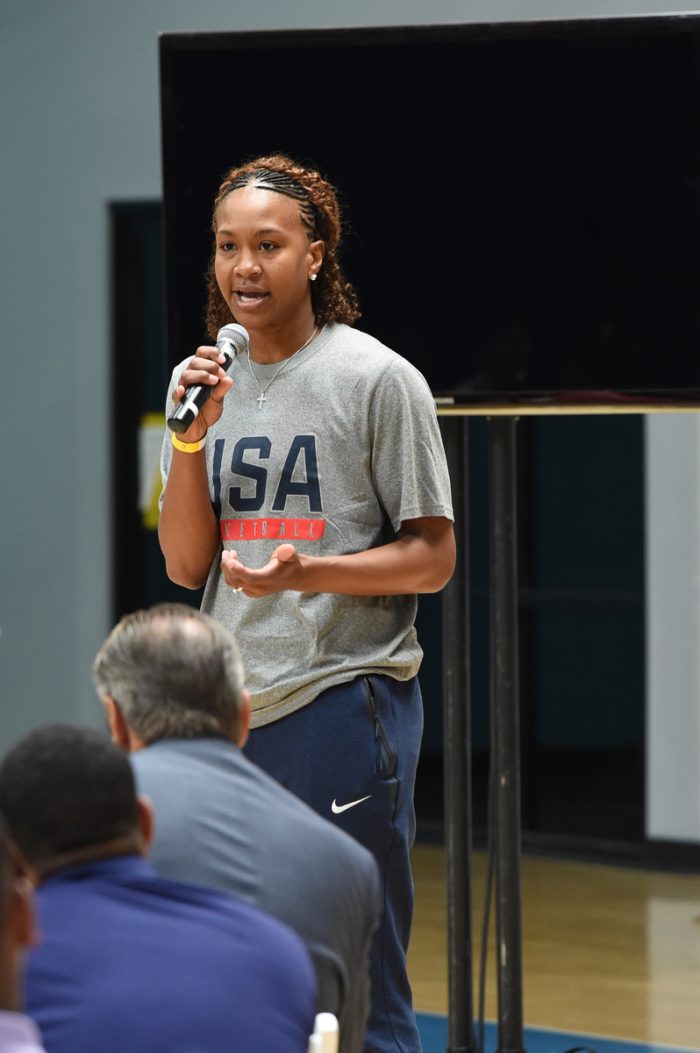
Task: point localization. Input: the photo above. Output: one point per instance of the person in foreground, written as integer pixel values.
(129, 960)
(172, 684)
(18, 1033)
(312, 496)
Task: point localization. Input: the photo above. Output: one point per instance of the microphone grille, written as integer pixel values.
(234, 334)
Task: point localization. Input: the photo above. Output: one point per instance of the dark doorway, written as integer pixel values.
(139, 379)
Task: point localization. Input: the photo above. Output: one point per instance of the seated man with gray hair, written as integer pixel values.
(131, 962)
(172, 684)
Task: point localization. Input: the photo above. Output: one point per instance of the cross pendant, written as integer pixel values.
(260, 399)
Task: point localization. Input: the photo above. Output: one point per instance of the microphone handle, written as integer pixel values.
(195, 397)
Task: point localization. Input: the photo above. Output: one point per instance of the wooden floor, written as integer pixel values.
(606, 950)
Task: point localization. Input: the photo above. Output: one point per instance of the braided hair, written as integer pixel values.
(332, 297)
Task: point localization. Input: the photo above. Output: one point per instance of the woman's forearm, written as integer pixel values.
(188, 530)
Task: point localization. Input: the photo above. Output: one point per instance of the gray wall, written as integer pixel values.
(673, 626)
(79, 127)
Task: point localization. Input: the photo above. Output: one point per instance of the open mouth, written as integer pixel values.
(249, 297)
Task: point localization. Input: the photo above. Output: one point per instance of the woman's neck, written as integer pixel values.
(267, 347)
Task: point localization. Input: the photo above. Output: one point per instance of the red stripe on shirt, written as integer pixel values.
(284, 529)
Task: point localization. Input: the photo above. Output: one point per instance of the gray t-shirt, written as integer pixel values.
(345, 447)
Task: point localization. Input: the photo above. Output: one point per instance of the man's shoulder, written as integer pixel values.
(229, 910)
(174, 761)
(114, 887)
(168, 765)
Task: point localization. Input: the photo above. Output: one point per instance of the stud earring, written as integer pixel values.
(313, 277)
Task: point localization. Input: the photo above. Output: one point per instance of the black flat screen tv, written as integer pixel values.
(522, 200)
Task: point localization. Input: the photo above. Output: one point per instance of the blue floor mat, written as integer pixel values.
(433, 1032)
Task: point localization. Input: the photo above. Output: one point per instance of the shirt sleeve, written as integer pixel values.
(409, 466)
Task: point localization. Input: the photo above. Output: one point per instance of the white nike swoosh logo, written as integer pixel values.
(338, 808)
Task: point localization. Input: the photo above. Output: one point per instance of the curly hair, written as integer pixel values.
(332, 297)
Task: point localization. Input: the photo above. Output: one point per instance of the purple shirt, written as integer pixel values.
(131, 961)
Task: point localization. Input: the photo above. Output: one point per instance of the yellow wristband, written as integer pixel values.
(188, 447)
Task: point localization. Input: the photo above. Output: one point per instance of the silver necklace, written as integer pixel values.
(261, 397)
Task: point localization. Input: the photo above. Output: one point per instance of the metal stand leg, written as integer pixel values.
(505, 746)
(457, 758)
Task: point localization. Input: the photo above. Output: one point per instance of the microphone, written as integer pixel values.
(230, 340)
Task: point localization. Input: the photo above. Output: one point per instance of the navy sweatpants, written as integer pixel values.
(357, 745)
